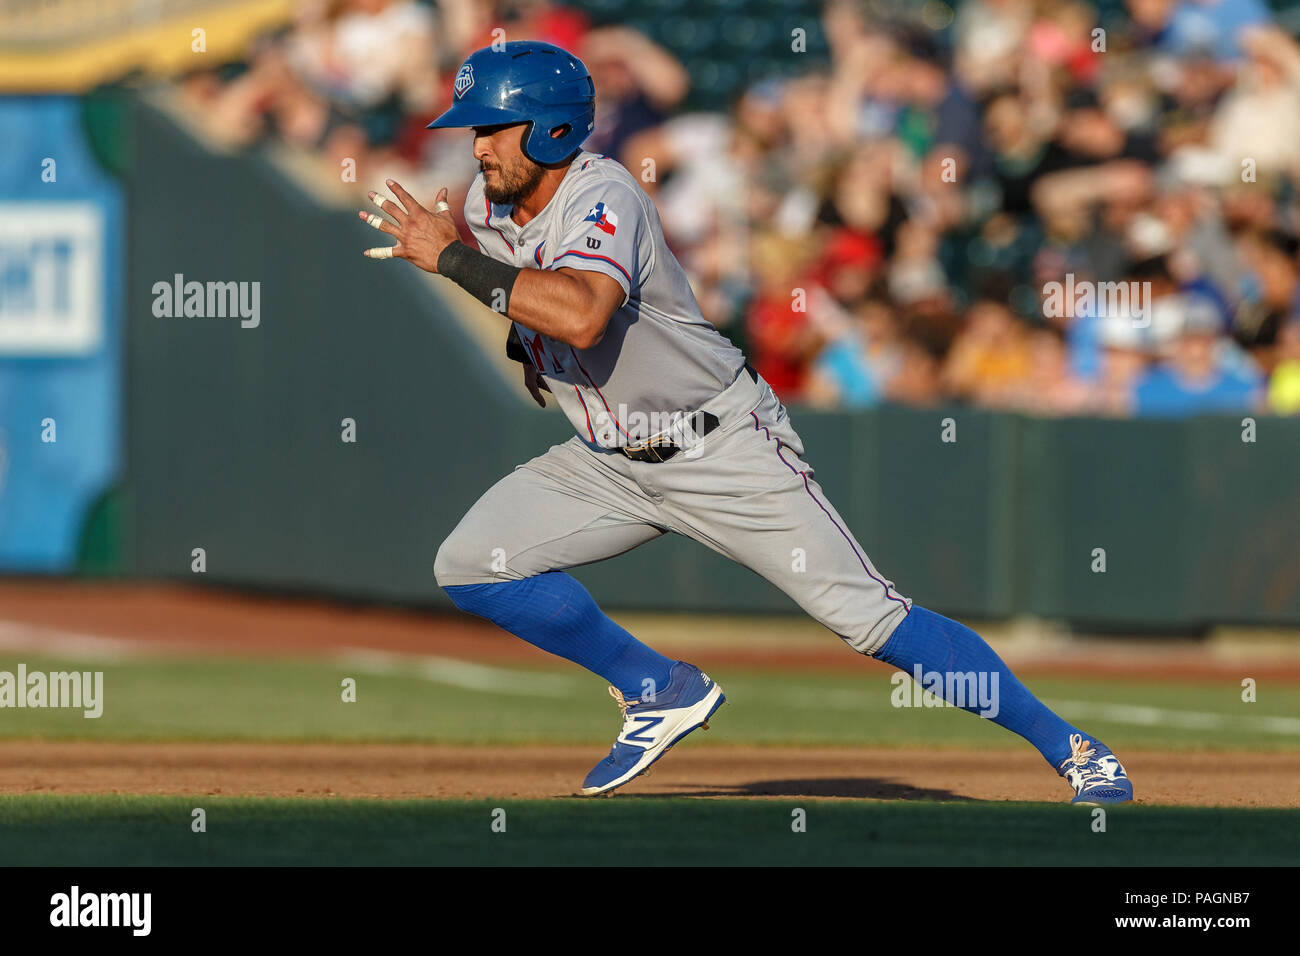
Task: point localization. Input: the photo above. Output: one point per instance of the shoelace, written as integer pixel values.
(623, 704)
(1081, 753)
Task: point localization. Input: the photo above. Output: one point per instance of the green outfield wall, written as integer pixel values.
(235, 446)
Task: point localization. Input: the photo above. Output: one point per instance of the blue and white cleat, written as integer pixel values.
(1095, 774)
(651, 727)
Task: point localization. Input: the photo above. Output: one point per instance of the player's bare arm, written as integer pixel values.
(569, 305)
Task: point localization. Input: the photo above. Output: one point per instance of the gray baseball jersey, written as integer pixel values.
(743, 489)
(660, 358)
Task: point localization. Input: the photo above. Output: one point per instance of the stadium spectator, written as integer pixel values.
(990, 358)
(639, 83)
(359, 62)
(1268, 284)
(1190, 27)
(917, 378)
(856, 368)
(1284, 383)
(1050, 387)
(1259, 118)
(1195, 378)
(782, 338)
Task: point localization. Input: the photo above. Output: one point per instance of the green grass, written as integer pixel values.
(272, 699)
(116, 830)
(246, 699)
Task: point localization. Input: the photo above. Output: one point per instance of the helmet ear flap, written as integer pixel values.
(539, 145)
(526, 141)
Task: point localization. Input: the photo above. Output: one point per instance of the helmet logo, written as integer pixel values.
(464, 80)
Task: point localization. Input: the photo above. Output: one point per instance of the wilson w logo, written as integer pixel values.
(637, 736)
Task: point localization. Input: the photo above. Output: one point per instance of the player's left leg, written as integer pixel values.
(775, 519)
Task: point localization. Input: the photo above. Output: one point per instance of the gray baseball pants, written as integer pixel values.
(743, 490)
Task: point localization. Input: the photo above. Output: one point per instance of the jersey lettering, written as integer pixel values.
(538, 350)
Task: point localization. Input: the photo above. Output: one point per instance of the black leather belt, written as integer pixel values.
(656, 450)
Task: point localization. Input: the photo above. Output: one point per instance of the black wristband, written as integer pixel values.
(481, 276)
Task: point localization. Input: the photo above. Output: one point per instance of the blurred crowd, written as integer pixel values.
(1026, 205)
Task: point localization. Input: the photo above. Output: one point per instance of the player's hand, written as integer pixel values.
(535, 384)
(421, 234)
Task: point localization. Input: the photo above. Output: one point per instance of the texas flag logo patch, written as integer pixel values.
(604, 219)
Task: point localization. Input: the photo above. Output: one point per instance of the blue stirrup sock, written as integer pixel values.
(935, 643)
(554, 612)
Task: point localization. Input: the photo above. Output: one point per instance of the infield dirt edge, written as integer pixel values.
(413, 771)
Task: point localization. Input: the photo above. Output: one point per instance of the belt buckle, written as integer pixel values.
(649, 451)
(699, 424)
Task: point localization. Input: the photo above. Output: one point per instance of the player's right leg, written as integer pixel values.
(506, 562)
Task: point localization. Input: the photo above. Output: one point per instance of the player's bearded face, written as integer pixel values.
(507, 181)
(508, 175)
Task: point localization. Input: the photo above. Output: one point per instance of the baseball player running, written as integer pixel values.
(675, 432)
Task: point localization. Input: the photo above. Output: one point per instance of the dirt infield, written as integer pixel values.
(440, 772)
(162, 619)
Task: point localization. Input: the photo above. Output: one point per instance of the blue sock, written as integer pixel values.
(938, 644)
(554, 612)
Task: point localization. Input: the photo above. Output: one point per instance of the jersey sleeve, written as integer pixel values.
(606, 230)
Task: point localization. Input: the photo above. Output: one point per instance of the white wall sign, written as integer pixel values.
(51, 260)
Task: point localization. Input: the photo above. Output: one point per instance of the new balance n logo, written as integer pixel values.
(637, 736)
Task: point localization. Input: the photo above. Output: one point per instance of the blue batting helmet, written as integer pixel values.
(526, 82)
